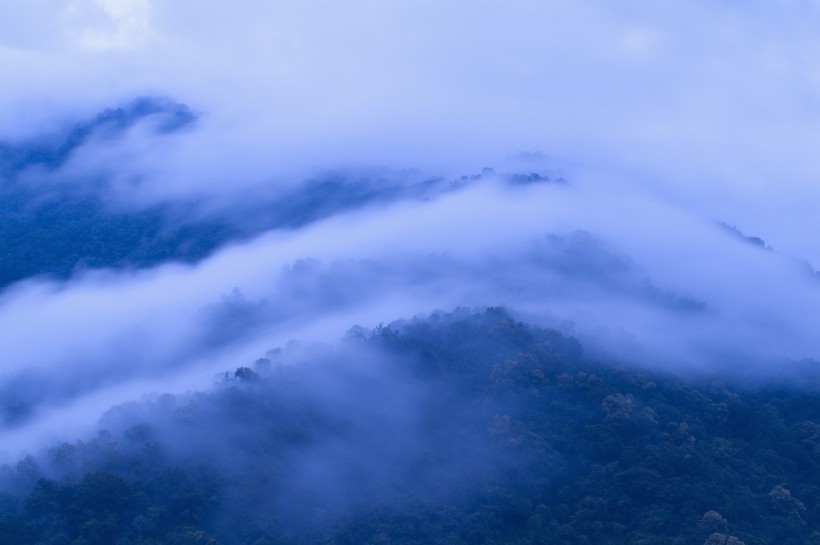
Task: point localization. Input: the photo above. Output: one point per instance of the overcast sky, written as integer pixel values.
(665, 116)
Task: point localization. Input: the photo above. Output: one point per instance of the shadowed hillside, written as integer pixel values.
(466, 428)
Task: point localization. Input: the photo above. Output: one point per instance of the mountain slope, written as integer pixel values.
(459, 428)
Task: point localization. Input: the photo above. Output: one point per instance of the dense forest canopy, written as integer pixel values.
(462, 428)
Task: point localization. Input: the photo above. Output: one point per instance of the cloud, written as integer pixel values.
(692, 294)
(665, 117)
(659, 91)
(127, 24)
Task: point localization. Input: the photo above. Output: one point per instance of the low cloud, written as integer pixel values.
(692, 294)
(666, 119)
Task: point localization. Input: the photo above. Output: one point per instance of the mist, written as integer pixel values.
(639, 177)
(695, 294)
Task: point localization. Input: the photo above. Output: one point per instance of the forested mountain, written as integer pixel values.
(53, 223)
(57, 222)
(463, 428)
(460, 428)
(200, 200)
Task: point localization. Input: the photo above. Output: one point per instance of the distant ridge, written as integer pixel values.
(53, 151)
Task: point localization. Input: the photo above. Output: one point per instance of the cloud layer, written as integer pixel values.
(666, 119)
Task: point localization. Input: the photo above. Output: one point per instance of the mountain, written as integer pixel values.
(466, 427)
(63, 226)
(52, 151)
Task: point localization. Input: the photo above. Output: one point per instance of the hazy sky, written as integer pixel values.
(665, 116)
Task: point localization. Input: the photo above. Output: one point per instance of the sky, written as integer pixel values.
(665, 118)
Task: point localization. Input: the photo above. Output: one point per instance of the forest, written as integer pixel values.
(57, 224)
(409, 273)
(467, 427)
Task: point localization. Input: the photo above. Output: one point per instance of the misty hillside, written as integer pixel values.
(206, 211)
(460, 428)
(51, 224)
(58, 218)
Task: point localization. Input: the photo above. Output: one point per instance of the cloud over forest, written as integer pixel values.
(662, 122)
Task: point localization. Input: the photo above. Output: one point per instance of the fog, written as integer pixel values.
(661, 121)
